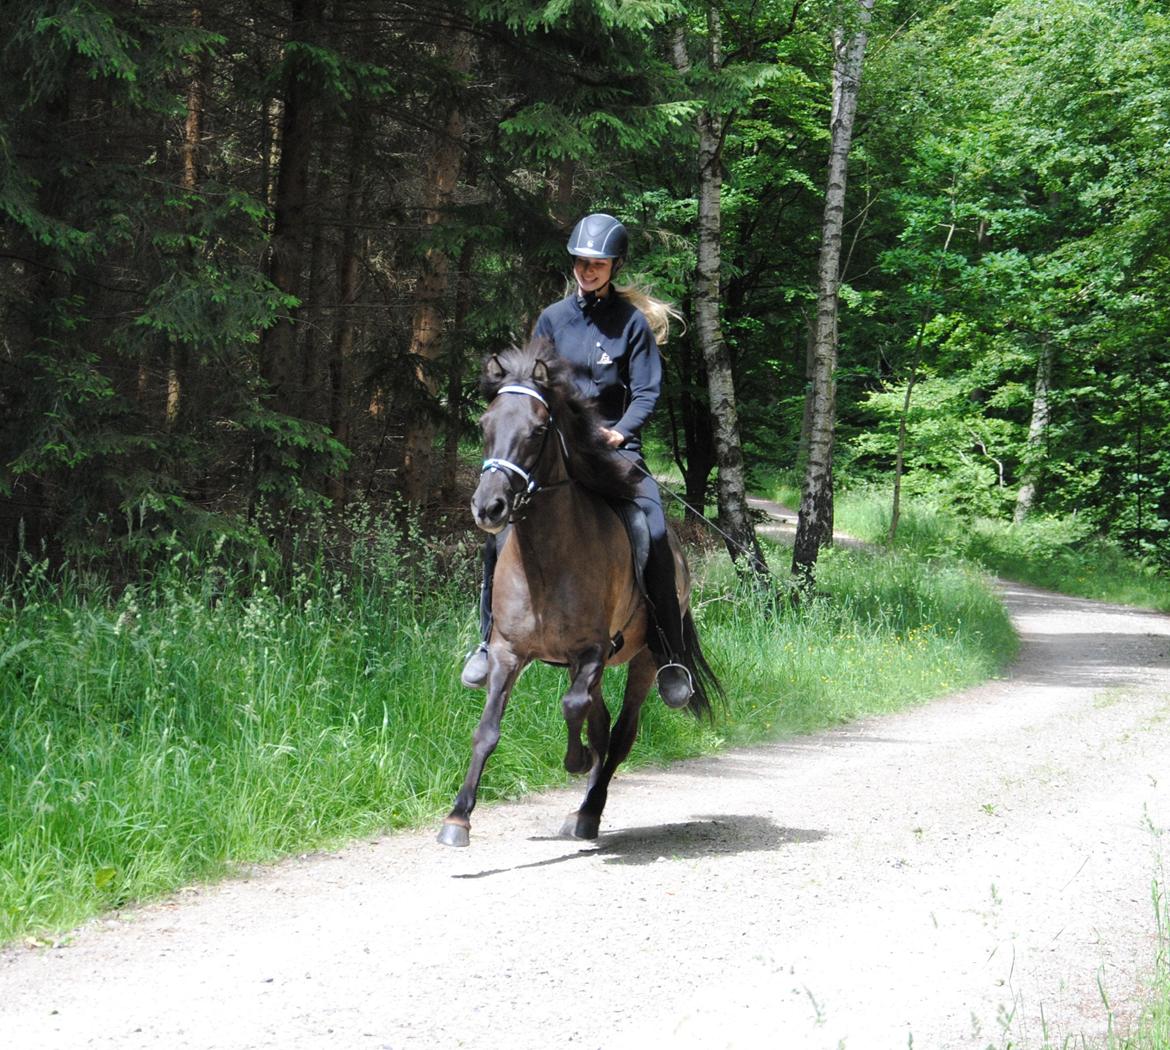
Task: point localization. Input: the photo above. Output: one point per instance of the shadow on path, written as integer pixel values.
(705, 836)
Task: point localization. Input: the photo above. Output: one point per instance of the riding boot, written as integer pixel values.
(475, 666)
(675, 684)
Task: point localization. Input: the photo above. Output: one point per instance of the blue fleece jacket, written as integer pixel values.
(613, 355)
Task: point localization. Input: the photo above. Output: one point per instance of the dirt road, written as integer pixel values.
(956, 876)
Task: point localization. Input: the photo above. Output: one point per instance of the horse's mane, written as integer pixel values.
(591, 462)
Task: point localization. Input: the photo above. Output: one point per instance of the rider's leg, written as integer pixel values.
(666, 629)
(475, 667)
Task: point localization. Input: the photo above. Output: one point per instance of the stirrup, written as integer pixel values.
(676, 691)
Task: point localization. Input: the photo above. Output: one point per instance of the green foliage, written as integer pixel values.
(949, 454)
(1030, 160)
(1007, 199)
(530, 16)
(115, 271)
(94, 34)
(1062, 553)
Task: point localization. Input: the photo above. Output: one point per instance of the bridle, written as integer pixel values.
(530, 485)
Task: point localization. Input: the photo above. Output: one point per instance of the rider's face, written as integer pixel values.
(592, 274)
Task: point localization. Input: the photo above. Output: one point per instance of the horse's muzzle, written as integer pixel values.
(491, 503)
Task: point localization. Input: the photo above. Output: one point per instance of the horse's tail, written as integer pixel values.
(702, 677)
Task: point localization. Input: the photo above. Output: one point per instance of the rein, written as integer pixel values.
(528, 479)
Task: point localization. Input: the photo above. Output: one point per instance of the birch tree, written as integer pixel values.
(814, 527)
(1037, 432)
(734, 516)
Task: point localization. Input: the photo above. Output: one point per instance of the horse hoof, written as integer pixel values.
(581, 764)
(580, 826)
(454, 835)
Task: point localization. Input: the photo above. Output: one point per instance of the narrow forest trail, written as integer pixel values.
(949, 877)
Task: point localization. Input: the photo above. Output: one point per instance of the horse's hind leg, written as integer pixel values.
(504, 669)
(585, 685)
(585, 823)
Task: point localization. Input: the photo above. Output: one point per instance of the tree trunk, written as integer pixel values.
(269, 149)
(1037, 433)
(314, 335)
(189, 180)
(900, 455)
(563, 201)
(279, 365)
(904, 421)
(345, 326)
(814, 528)
(442, 171)
(455, 360)
(735, 521)
(698, 435)
(193, 127)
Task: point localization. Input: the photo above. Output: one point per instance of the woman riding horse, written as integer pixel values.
(607, 334)
(566, 582)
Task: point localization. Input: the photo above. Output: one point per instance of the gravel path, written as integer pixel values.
(950, 877)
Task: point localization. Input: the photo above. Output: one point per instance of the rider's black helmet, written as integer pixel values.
(599, 236)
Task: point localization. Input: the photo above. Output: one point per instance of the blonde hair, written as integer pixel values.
(658, 312)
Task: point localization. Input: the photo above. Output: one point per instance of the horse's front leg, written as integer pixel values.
(585, 683)
(504, 668)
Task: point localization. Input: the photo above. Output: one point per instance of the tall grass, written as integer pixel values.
(1152, 1031)
(179, 728)
(883, 633)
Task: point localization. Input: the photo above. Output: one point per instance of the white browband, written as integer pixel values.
(513, 388)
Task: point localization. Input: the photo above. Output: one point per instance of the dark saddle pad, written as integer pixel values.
(638, 532)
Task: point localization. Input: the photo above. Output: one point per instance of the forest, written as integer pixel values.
(252, 255)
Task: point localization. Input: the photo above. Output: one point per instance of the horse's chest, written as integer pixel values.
(547, 611)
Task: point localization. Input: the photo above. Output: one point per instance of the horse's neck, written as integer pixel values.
(561, 508)
(561, 527)
(561, 524)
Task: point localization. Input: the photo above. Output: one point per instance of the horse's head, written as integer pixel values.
(516, 429)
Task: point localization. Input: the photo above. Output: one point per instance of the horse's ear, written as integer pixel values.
(540, 373)
(493, 370)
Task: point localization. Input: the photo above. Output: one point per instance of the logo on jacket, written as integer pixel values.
(605, 359)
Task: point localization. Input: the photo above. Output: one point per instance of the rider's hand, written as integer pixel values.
(613, 438)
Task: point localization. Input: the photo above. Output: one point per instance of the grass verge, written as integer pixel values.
(1059, 554)
(174, 731)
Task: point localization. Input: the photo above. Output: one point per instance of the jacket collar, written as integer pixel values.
(591, 302)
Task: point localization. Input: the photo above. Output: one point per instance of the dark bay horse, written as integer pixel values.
(566, 588)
